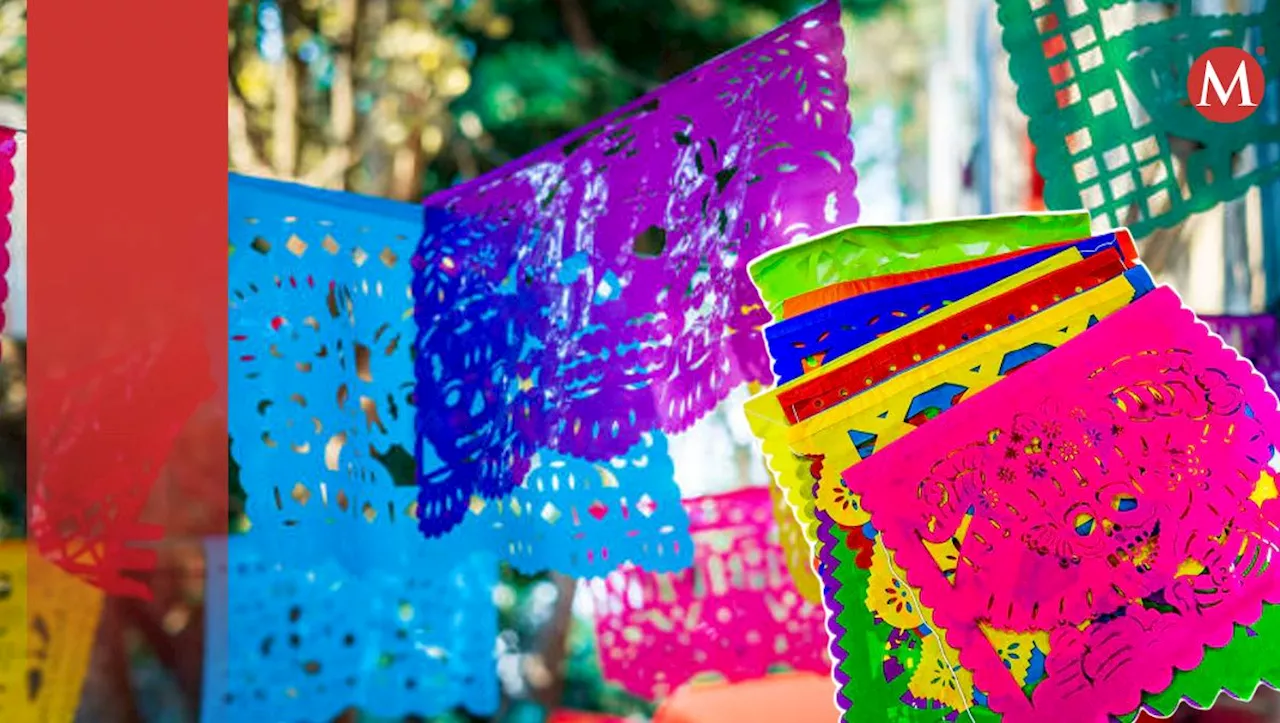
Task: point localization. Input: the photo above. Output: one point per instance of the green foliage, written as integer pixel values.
(527, 94)
(13, 440)
(448, 89)
(547, 79)
(13, 50)
(235, 496)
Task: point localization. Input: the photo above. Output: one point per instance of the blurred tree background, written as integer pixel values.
(13, 51)
(398, 98)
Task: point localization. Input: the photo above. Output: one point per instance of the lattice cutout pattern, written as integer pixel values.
(735, 614)
(595, 290)
(322, 406)
(1104, 86)
(288, 640)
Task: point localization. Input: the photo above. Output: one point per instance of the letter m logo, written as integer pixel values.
(1225, 94)
(1225, 85)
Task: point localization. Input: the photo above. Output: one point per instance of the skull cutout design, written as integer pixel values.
(1088, 506)
(1120, 500)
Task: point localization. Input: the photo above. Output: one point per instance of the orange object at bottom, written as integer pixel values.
(793, 698)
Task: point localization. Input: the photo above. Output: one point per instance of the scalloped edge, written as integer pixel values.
(1222, 632)
(7, 135)
(835, 629)
(791, 442)
(1045, 118)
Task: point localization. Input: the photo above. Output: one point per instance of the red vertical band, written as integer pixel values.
(127, 235)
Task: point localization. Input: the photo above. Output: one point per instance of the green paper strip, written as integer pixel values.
(1109, 115)
(1246, 661)
(859, 252)
(865, 644)
(1249, 659)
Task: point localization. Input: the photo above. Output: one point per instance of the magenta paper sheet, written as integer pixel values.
(735, 614)
(8, 149)
(1119, 498)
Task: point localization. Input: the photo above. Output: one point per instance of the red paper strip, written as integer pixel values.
(127, 279)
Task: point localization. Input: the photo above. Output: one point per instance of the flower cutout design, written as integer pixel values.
(939, 677)
(889, 596)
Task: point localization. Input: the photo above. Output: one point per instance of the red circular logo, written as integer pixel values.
(1226, 85)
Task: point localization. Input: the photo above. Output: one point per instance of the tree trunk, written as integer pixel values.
(555, 644)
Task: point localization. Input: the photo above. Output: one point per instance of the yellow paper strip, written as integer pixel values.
(48, 620)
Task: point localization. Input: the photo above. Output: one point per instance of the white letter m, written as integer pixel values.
(1241, 78)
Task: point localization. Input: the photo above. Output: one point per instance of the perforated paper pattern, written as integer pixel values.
(586, 518)
(770, 420)
(321, 363)
(1127, 510)
(295, 641)
(892, 411)
(866, 426)
(1106, 99)
(1234, 670)
(594, 290)
(321, 381)
(735, 614)
(811, 396)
